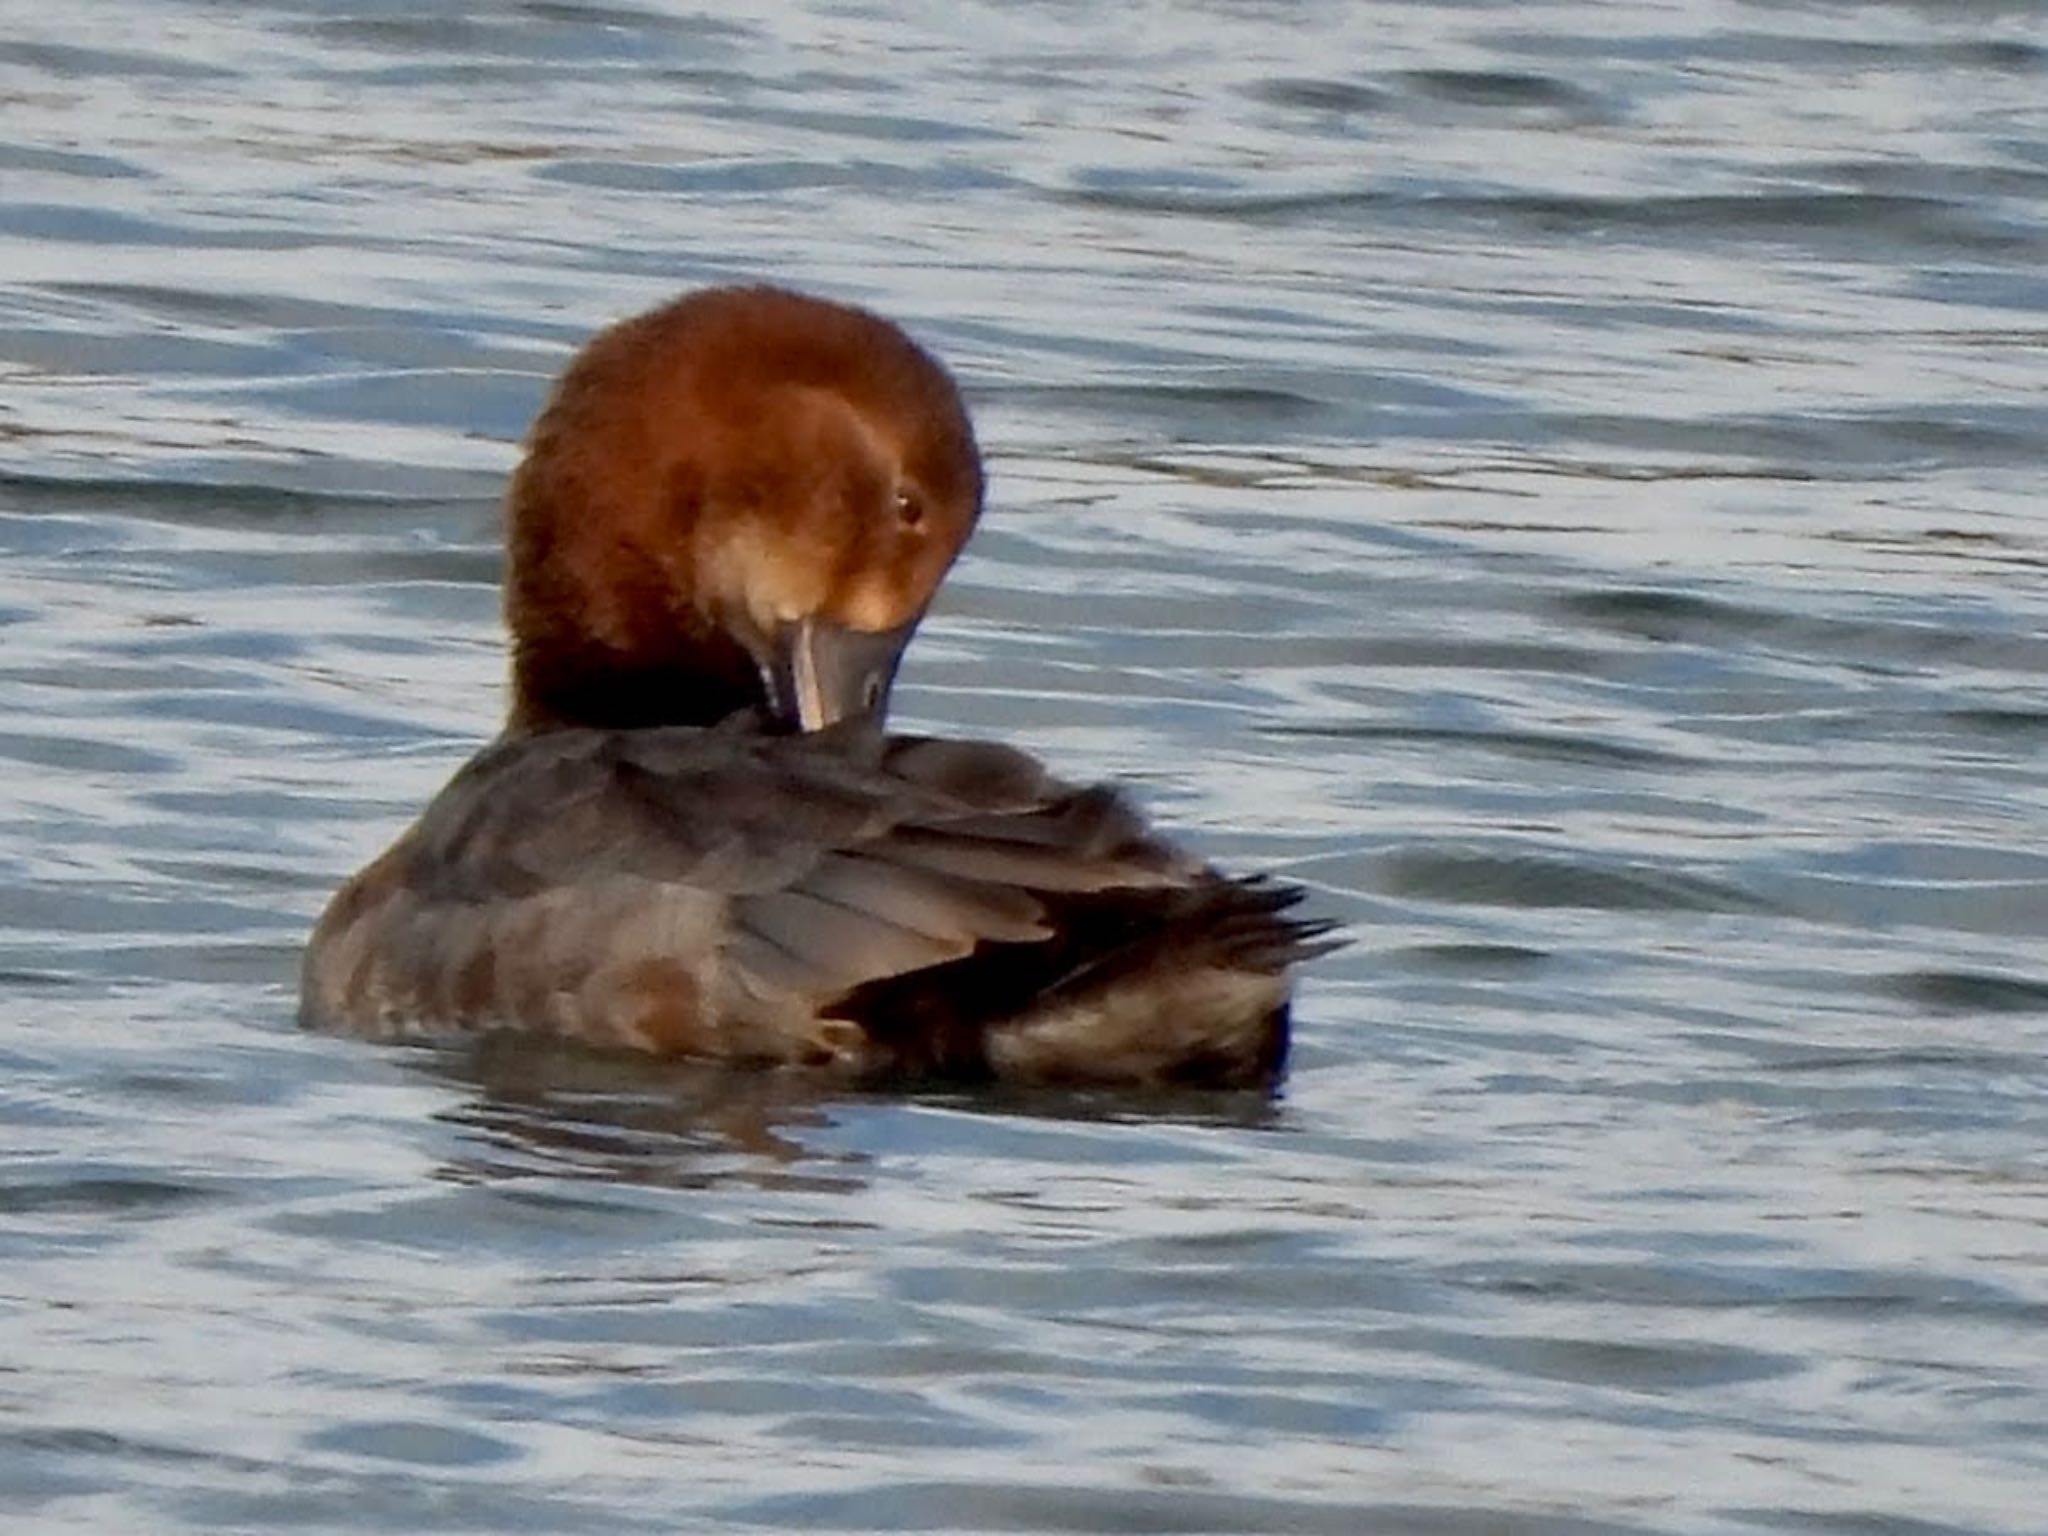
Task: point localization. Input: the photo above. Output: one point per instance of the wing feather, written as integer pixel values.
(821, 864)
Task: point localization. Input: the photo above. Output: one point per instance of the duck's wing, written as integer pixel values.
(1060, 938)
(889, 900)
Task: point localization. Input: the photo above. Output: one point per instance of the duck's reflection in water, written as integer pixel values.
(536, 1108)
(539, 1108)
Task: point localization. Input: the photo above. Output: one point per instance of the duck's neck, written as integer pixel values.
(553, 687)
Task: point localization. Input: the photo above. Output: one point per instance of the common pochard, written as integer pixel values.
(695, 838)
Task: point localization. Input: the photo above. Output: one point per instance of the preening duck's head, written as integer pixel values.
(747, 497)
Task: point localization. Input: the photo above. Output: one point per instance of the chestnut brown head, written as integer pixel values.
(746, 497)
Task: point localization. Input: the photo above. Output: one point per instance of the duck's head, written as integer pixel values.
(747, 497)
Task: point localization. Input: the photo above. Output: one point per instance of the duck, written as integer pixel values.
(696, 835)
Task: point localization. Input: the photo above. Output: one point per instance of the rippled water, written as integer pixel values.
(1565, 480)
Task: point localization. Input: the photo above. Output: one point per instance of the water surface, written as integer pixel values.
(1562, 480)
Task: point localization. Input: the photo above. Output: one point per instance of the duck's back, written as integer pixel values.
(880, 906)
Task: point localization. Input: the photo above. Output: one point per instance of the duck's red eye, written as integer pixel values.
(909, 510)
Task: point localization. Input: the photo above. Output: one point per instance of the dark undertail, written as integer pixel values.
(936, 1022)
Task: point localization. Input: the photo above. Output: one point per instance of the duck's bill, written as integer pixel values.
(819, 673)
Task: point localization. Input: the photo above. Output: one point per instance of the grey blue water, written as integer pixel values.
(1566, 481)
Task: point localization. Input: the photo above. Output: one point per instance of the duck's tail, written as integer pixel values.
(1181, 985)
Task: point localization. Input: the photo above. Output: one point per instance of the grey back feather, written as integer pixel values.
(842, 857)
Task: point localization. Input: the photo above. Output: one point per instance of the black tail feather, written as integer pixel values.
(935, 1021)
